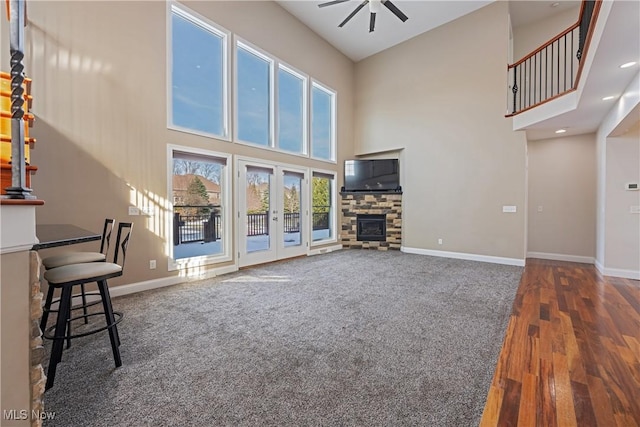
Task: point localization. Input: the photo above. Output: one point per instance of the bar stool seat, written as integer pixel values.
(68, 276)
(74, 272)
(55, 261)
(76, 257)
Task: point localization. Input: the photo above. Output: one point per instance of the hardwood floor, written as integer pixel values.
(571, 353)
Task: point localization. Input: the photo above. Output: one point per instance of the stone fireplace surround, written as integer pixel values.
(361, 203)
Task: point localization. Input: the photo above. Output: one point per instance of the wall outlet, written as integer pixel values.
(509, 209)
(634, 209)
(133, 210)
(439, 241)
(539, 208)
(152, 264)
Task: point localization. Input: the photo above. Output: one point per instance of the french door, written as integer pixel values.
(272, 218)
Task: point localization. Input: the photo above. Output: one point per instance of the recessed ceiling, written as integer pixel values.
(354, 38)
(620, 43)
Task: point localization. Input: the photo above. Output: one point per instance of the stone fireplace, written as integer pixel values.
(371, 220)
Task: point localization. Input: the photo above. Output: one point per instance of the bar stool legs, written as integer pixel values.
(59, 335)
(114, 337)
(62, 329)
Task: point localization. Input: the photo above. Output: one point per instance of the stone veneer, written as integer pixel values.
(389, 204)
(36, 373)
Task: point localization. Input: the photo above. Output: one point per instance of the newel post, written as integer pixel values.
(18, 189)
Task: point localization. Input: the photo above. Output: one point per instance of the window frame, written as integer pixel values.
(207, 24)
(227, 209)
(333, 218)
(306, 111)
(334, 115)
(238, 42)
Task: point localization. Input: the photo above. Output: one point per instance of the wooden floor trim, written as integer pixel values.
(571, 352)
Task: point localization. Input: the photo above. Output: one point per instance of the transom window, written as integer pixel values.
(253, 91)
(323, 122)
(276, 106)
(199, 100)
(292, 111)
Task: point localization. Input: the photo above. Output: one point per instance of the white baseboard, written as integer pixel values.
(462, 255)
(147, 285)
(599, 266)
(618, 272)
(562, 257)
(324, 250)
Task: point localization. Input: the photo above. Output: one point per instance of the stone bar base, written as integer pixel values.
(389, 204)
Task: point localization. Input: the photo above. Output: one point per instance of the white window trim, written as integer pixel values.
(220, 31)
(238, 42)
(306, 118)
(334, 121)
(227, 200)
(333, 238)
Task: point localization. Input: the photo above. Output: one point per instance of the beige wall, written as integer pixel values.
(622, 228)
(527, 38)
(99, 71)
(461, 160)
(561, 182)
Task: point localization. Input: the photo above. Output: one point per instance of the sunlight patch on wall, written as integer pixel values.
(157, 211)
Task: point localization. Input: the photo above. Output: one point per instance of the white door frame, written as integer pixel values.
(276, 245)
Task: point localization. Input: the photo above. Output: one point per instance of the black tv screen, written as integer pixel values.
(371, 175)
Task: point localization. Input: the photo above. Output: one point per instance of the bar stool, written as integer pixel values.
(76, 257)
(68, 276)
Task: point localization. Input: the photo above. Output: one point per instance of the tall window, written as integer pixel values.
(200, 205)
(275, 106)
(198, 74)
(323, 200)
(253, 71)
(322, 123)
(292, 111)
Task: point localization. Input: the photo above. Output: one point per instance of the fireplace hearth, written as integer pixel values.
(371, 228)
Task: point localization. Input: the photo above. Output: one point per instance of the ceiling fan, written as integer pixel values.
(375, 6)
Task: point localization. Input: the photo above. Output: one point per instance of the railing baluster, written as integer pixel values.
(558, 75)
(537, 70)
(572, 46)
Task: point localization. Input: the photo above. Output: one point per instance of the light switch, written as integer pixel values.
(509, 209)
(634, 209)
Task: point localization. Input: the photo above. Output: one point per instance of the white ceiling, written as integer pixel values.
(355, 40)
(620, 43)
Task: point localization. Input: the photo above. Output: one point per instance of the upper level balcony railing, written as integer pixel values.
(553, 69)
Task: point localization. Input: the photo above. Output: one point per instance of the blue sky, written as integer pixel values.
(198, 100)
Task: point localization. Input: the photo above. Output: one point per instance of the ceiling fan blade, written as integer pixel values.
(331, 3)
(357, 9)
(372, 22)
(395, 10)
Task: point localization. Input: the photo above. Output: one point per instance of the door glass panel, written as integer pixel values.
(258, 209)
(292, 184)
(322, 207)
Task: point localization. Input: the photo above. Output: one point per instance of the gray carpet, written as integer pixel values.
(350, 338)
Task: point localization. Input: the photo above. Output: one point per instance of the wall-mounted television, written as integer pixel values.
(372, 175)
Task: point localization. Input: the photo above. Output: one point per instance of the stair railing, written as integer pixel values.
(553, 69)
